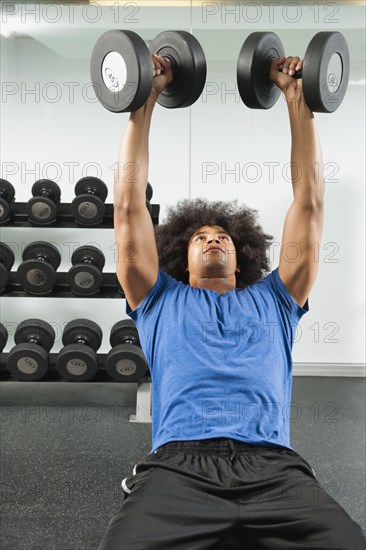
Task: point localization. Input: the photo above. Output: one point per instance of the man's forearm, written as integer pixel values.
(306, 155)
(131, 173)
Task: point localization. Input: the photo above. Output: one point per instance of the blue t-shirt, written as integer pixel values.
(220, 364)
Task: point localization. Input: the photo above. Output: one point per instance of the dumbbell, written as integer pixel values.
(37, 272)
(126, 361)
(121, 69)
(324, 74)
(3, 336)
(88, 206)
(77, 361)
(85, 275)
(7, 194)
(42, 207)
(29, 359)
(6, 263)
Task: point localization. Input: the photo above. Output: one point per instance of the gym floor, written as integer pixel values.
(65, 449)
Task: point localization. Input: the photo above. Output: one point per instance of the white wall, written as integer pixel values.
(41, 137)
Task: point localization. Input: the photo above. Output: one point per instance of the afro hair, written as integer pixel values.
(251, 243)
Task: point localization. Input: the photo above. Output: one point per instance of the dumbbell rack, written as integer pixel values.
(19, 217)
(109, 289)
(143, 396)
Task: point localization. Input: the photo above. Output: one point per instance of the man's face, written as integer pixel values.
(205, 262)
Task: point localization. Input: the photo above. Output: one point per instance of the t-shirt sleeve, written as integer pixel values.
(275, 284)
(150, 299)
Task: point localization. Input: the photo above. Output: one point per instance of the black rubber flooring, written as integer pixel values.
(65, 448)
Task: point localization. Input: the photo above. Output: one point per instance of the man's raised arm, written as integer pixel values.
(298, 266)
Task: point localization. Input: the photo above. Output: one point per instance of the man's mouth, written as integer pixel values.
(213, 249)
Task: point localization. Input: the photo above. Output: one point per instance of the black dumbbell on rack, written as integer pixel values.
(42, 207)
(7, 194)
(29, 359)
(85, 275)
(37, 272)
(125, 362)
(77, 361)
(6, 263)
(88, 206)
(3, 337)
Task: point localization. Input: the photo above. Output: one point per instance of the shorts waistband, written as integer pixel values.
(219, 445)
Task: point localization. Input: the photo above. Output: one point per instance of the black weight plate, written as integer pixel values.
(77, 363)
(44, 249)
(149, 191)
(4, 211)
(126, 363)
(88, 210)
(4, 277)
(84, 279)
(256, 89)
(3, 336)
(325, 72)
(36, 277)
(91, 185)
(189, 67)
(41, 210)
(35, 328)
(88, 254)
(27, 362)
(47, 185)
(122, 330)
(7, 190)
(6, 256)
(84, 329)
(121, 71)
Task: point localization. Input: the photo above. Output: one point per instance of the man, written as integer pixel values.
(218, 338)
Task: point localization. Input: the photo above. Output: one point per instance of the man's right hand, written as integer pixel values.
(163, 75)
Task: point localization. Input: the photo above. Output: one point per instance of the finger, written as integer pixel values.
(286, 65)
(299, 65)
(157, 66)
(293, 64)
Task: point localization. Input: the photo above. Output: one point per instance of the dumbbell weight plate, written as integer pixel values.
(91, 184)
(325, 72)
(3, 336)
(121, 71)
(42, 209)
(124, 331)
(256, 89)
(89, 331)
(189, 67)
(126, 363)
(7, 194)
(27, 362)
(36, 276)
(31, 329)
(88, 206)
(77, 363)
(86, 278)
(6, 263)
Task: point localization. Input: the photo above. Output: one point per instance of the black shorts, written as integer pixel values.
(224, 494)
